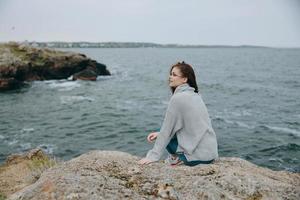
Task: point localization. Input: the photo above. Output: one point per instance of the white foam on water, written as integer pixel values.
(75, 99)
(63, 85)
(120, 72)
(99, 78)
(117, 68)
(241, 113)
(285, 130)
(70, 78)
(244, 125)
(276, 160)
(240, 124)
(60, 85)
(13, 142)
(129, 105)
(25, 146)
(27, 130)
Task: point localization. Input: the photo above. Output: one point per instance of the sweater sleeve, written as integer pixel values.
(171, 124)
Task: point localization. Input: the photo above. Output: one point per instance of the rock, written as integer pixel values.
(166, 191)
(116, 175)
(19, 63)
(9, 83)
(21, 170)
(87, 74)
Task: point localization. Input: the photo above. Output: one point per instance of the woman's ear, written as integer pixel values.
(185, 80)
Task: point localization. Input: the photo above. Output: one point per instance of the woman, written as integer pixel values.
(186, 132)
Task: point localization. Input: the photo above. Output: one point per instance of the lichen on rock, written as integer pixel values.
(116, 175)
(21, 170)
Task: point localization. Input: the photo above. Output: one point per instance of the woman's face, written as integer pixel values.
(176, 78)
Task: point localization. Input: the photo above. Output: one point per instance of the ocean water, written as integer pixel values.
(252, 95)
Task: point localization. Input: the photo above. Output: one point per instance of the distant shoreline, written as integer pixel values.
(57, 44)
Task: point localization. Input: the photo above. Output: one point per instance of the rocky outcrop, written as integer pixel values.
(90, 73)
(21, 170)
(116, 175)
(19, 63)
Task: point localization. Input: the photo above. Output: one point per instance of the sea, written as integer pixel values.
(252, 95)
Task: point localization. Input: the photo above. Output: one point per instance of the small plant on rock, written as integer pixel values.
(39, 164)
(2, 196)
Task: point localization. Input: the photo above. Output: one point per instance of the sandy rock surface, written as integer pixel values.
(21, 170)
(116, 175)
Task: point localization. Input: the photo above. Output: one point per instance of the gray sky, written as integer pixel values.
(221, 22)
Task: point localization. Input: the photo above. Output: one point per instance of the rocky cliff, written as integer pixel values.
(19, 63)
(116, 175)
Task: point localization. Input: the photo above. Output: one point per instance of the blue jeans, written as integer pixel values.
(172, 147)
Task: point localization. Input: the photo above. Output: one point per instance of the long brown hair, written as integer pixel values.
(187, 72)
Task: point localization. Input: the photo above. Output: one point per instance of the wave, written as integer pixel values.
(282, 148)
(100, 78)
(231, 89)
(284, 156)
(27, 130)
(244, 125)
(297, 116)
(241, 113)
(240, 124)
(237, 123)
(214, 86)
(63, 85)
(13, 142)
(293, 123)
(121, 72)
(275, 159)
(25, 146)
(2, 137)
(282, 129)
(130, 105)
(75, 99)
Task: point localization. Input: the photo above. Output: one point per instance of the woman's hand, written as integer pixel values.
(152, 136)
(144, 161)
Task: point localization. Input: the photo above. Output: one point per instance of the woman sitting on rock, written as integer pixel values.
(186, 132)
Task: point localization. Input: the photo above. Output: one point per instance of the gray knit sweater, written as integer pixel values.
(187, 117)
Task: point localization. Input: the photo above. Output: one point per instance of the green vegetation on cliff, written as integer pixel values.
(23, 62)
(16, 54)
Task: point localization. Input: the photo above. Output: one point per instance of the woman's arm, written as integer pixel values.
(151, 137)
(171, 124)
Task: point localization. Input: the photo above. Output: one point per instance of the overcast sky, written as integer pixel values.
(220, 22)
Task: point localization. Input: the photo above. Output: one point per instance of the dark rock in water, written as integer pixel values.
(19, 63)
(101, 68)
(87, 74)
(9, 83)
(90, 73)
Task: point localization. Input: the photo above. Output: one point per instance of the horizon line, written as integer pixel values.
(154, 43)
